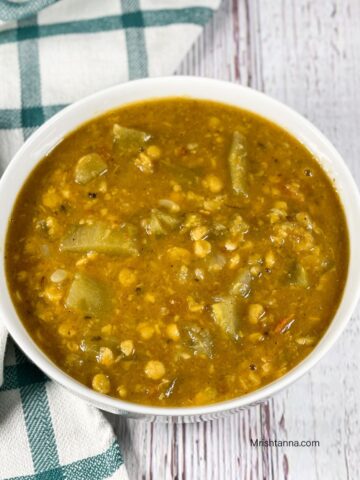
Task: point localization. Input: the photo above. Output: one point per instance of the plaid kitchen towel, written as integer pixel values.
(50, 57)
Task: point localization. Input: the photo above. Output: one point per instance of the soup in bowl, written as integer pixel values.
(178, 253)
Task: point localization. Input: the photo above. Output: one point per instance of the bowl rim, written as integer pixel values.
(308, 134)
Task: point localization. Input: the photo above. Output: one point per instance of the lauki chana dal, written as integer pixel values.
(177, 253)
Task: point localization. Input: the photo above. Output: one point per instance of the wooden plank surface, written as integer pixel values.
(307, 54)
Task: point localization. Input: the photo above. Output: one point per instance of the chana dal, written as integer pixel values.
(177, 252)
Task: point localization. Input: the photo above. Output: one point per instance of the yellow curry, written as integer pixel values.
(177, 252)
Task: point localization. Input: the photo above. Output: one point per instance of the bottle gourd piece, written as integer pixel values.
(100, 238)
(237, 160)
(88, 295)
(89, 167)
(127, 142)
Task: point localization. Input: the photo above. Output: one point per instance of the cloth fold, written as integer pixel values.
(50, 57)
(18, 9)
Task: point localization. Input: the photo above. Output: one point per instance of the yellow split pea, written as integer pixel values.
(154, 369)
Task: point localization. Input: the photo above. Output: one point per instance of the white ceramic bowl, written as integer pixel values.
(71, 117)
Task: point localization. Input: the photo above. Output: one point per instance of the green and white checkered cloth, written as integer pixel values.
(51, 54)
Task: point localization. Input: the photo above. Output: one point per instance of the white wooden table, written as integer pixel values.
(307, 54)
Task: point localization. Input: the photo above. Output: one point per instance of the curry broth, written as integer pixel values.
(191, 257)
